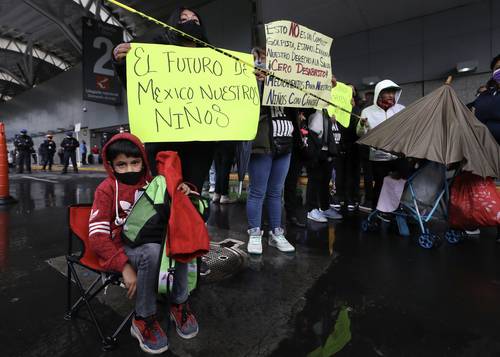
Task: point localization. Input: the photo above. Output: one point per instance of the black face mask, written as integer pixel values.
(129, 178)
(191, 28)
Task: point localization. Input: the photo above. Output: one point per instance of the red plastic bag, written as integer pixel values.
(474, 202)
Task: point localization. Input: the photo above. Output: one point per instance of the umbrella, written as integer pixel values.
(440, 128)
(243, 152)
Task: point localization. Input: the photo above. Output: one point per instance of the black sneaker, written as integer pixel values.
(366, 206)
(294, 221)
(352, 206)
(337, 205)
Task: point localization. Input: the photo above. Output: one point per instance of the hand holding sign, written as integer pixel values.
(342, 98)
(302, 57)
(190, 94)
(121, 51)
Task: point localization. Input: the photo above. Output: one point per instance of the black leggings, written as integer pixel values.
(196, 158)
(223, 158)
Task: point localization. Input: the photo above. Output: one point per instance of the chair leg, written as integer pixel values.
(124, 322)
(84, 295)
(84, 299)
(68, 288)
(108, 342)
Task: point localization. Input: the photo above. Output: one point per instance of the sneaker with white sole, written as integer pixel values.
(184, 320)
(254, 245)
(151, 337)
(331, 213)
(316, 216)
(474, 232)
(216, 198)
(224, 199)
(352, 206)
(277, 239)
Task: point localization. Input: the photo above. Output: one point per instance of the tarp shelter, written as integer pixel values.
(440, 128)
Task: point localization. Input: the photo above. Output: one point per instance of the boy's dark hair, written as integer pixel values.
(122, 146)
(494, 62)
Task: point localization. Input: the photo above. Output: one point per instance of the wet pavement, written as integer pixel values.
(403, 300)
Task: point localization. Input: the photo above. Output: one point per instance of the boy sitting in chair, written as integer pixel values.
(125, 161)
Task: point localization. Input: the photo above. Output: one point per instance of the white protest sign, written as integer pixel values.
(301, 56)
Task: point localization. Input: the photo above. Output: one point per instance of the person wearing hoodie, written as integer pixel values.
(385, 105)
(196, 156)
(128, 171)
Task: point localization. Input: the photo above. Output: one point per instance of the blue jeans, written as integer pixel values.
(145, 259)
(267, 178)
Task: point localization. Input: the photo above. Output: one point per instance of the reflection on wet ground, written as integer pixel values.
(403, 300)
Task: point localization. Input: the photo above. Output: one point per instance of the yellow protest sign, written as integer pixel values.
(341, 96)
(301, 56)
(190, 94)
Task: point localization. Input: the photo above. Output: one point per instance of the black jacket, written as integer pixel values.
(24, 143)
(48, 147)
(315, 144)
(487, 107)
(70, 144)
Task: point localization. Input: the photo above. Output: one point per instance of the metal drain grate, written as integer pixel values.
(224, 259)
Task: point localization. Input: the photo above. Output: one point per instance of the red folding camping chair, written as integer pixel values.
(79, 228)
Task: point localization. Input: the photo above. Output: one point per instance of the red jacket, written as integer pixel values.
(187, 234)
(104, 227)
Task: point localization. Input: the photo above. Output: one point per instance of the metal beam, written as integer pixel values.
(21, 47)
(7, 75)
(75, 41)
(102, 13)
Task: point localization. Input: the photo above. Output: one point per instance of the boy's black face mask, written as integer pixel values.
(129, 178)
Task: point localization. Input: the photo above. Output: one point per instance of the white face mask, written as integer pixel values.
(496, 75)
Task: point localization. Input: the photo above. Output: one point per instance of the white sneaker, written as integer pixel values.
(475, 232)
(216, 198)
(316, 216)
(277, 239)
(331, 213)
(211, 189)
(225, 199)
(254, 245)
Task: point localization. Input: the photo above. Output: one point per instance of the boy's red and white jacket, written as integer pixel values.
(112, 203)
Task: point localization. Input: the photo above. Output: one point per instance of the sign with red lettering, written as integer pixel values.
(301, 56)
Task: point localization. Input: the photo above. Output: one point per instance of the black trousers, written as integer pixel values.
(84, 158)
(290, 192)
(318, 185)
(347, 177)
(24, 159)
(366, 165)
(48, 159)
(196, 158)
(223, 159)
(67, 156)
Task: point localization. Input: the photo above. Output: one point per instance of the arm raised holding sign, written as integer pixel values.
(196, 156)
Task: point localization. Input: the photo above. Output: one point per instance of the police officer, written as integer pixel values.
(47, 151)
(69, 145)
(24, 146)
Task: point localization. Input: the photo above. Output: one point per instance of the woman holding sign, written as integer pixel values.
(268, 167)
(196, 156)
